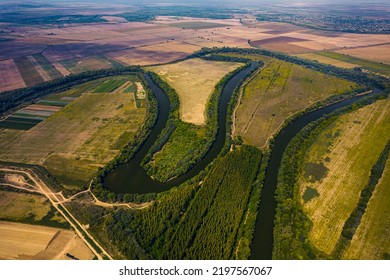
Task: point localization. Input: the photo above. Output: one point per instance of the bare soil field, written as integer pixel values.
(80, 137)
(278, 40)
(29, 242)
(338, 166)
(154, 54)
(27, 71)
(379, 54)
(278, 91)
(372, 238)
(194, 80)
(10, 77)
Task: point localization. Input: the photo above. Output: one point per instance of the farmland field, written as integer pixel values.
(194, 80)
(20, 241)
(29, 208)
(197, 25)
(10, 77)
(28, 72)
(366, 64)
(374, 53)
(79, 138)
(278, 91)
(372, 239)
(327, 60)
(337, 167)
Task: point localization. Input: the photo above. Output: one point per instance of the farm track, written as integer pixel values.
(55, 200)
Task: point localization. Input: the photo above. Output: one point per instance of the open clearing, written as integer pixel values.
(372, 238)
(21, 241)
(338, 165)
(84, 135)
(278, 91)
(194, 80)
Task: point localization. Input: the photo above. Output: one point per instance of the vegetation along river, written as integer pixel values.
(132, 178)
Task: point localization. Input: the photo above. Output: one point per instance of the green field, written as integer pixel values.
(366, 64)
(109, 85)
(29, 208)
(84, 135)
(337, 167)
(277, 92)
(29, 74)
(372, 239)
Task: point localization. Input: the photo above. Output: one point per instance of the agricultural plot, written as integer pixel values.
(10, 77)
(366, 64)
(380, 54)
(30, 242)
(372, 238)
(194, 80)
(336, 169)
(198, 25)
(278, 91)
(76, 66)
(47, 66)
(29, 74)
(328, 60)
(28, 208)
(84, 135)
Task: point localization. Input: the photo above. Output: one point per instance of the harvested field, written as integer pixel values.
(372, 238)
(194, 80)
(10, 77)
(278, 91)
(154, 54)
(369, 65)
(379, 54)
(45, 76)
(327, 60)
(27, 71)
(277, 40)
(18, 48)
(47, 66)
(345, 163)
(82, 136)
(87, 64)
(285, 47)
(198, 25)
(28, 242)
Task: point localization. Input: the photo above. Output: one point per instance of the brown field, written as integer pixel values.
(27, 71)
(24, 242)
(154, 54)
(327, 60)
(10, 77)
(45, 76)
(194, 80)
(278, 40)
(379, 54)
(372, 238)
(285, 47)
(345, 171)
(159, 42)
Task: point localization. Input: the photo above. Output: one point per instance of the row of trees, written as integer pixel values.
(193, 222)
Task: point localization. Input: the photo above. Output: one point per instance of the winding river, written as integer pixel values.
(132, 178)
